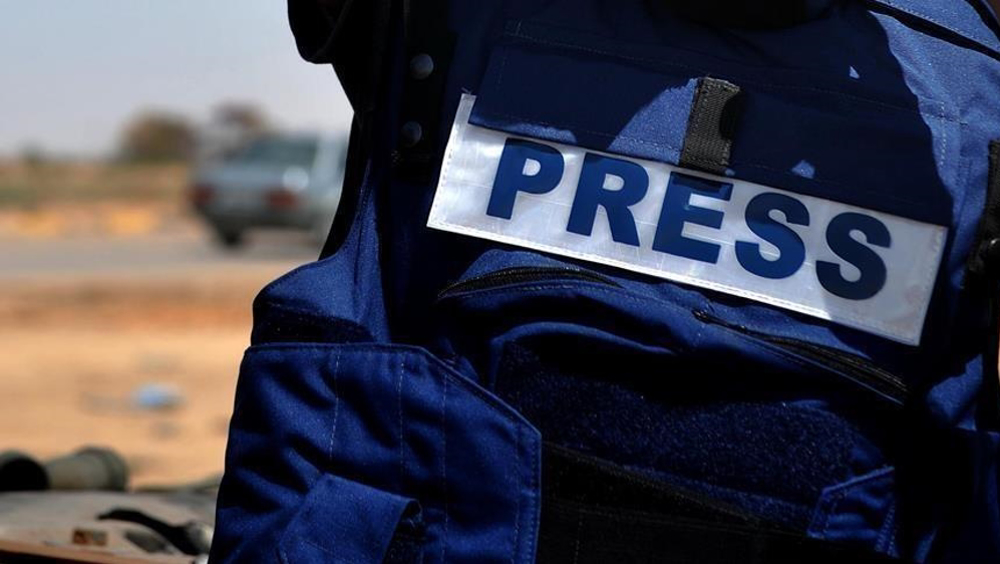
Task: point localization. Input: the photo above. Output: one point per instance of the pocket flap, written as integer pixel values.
(870, 143)
(344, 521)
(584, 100)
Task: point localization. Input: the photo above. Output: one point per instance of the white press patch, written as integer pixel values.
(860, 268)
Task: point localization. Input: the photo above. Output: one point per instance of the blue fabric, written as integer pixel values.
(366, 394)
(391, 420)
(957, 17)
(559, 103)
(574, 80)
(761, 447)
(343, 521)
(865, 505)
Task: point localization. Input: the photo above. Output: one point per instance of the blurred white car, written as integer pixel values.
(281, 181)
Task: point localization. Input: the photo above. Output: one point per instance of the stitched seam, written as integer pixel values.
(698, 117)
(893, 547)
(832, 511)
(874, 475)
(444, 467)
(888, 525)
(325, 550)
(751, 82)
(282, 555)
(449, 157)
(336, 410)
(447, 374)
(534, 488)
(399, 406)
(446, 371)
(821, 522)
(944, 133)
(517, 506)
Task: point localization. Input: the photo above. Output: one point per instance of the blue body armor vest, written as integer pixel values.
(609, 284)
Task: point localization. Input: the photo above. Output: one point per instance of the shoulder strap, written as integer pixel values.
(429, 44)
(352, 35)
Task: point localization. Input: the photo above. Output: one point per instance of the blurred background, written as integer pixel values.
(160, 161)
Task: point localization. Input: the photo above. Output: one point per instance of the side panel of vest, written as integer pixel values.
(345, 446)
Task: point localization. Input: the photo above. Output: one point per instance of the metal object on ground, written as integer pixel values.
(88, 469)
(40, 526)
(20, 472)
(192, 538)
(90, 537)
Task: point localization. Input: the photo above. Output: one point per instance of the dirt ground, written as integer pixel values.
(80, 346)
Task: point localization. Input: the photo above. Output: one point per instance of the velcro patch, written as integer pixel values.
(860, 268)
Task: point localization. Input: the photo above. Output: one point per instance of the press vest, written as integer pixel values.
(610, 284)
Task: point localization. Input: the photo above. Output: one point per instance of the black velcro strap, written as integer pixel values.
(715, 115)
(988, 235)
(983, 280)
(594, 511)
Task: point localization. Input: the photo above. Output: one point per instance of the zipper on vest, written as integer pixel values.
(522, 274)
(854, 367)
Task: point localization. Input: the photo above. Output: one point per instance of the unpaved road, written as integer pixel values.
(86, 322)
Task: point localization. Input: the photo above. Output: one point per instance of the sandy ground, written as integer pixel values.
(69, 387)
(85, 323)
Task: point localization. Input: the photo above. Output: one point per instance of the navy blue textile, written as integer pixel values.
(401, 387)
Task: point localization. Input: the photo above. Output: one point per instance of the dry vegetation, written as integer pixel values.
(70, 199)
(27, 185)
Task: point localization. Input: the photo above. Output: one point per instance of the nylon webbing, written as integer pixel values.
(715, 114)
(989, 225)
